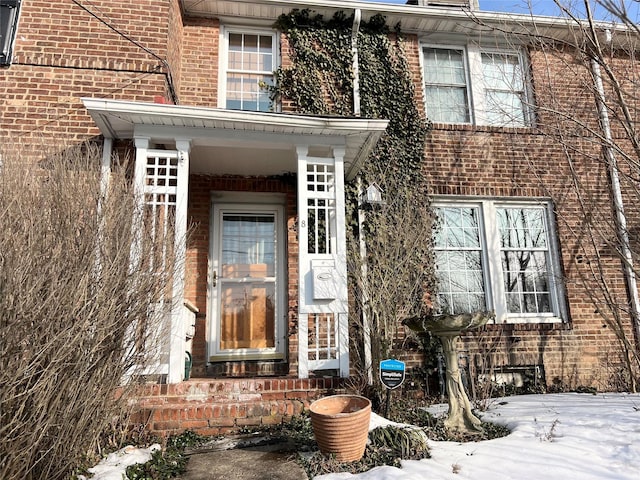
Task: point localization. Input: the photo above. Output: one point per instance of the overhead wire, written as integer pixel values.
(128, 83)
(108, 24)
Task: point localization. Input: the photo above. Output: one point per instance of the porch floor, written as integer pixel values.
(220, 406)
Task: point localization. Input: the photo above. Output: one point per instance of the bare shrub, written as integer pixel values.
(75, 313)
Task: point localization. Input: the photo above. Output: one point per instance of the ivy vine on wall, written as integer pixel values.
(317, 79)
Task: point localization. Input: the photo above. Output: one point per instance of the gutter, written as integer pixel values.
(357, 15)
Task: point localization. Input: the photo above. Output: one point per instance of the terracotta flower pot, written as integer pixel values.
(341, 425)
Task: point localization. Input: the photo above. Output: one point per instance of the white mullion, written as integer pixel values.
(476, 85)
(490, 243)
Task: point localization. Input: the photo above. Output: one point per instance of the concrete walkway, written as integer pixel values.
(260, 462)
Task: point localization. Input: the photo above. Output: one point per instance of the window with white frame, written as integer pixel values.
(445, 78)
(471, 85)
(9, 13)
(248, 65)
(498, 255)
(504, 89)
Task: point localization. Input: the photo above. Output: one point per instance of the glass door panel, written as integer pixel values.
(245, 271)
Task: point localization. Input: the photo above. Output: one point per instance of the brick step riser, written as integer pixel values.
(220, 407)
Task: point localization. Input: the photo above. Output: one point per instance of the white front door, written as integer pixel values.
(247, 282)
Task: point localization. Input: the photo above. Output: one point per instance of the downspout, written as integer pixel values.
(357, 15)
(616, 192)
(366, 326)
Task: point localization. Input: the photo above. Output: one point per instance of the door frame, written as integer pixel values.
(250, 203)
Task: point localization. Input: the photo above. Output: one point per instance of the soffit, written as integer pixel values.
(412, 18)
(247, 133)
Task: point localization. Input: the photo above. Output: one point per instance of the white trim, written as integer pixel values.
(151, 113)
(250, 203)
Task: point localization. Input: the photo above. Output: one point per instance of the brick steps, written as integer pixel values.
(214, 407)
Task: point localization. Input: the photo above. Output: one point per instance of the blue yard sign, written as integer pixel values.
(391, 373)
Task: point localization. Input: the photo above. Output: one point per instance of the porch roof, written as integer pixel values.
(268, 140)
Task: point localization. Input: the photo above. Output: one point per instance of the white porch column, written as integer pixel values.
(105, 166)
(341, 262)
(322, 263)
(177, 341)
(142, 147)
(303, 318)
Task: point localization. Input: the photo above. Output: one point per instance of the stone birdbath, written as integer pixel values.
(448, 328)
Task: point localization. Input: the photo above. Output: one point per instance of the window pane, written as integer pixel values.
(266, 53)
(250, 43)
(245, 92)
(445, 85)
(504, 108)
(525, 265)
(502, 71)
(251, 59)
(503, 89)
(248, 246)
(458, 259)
(522, 227)
(444, 66)
(447, 104)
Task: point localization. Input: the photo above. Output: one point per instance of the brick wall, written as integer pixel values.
(199, 85)
(216, 407)
(545, 161)
(63, 53)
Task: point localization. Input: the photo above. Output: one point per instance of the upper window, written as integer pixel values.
(446, 85)
(504, 92)
(250, 63)
(493, 255)
(473, 86)
(9, 10)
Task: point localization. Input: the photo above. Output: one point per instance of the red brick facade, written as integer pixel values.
(150, 52)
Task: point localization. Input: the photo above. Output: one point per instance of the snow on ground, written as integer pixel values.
(555, 437)
(114, 466)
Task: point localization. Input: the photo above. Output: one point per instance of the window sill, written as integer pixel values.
(547, 325)
(529, 320)
(469, 127)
